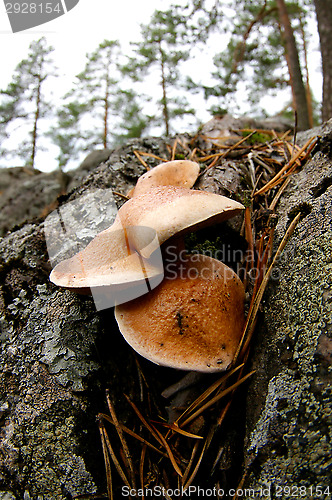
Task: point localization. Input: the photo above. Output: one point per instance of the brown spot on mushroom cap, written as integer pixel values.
(107, 260)
(181, 173)
(171, 210)
(191, 322)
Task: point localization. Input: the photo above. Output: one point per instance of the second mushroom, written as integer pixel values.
(194, 318)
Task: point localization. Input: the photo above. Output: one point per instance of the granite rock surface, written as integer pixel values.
(58, 354)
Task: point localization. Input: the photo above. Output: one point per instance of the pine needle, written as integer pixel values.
(121, 195)
(106, 460)
(249, 326)
(249, 234)
(151, 155)
(168, 451)
(113, 456)
(284, 169)
(174, 427)
(217, 398)
(279, 193)
(128, 460)
(204, 396)
(199, 461)
(174, 149)
(143, 420)
(191, 461)
(192, 154)
(137, 154)
(133, 434)
(225, 153)
(141, 467)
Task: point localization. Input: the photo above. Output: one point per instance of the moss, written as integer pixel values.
(219, 242)
(257, 137)
(245, 197)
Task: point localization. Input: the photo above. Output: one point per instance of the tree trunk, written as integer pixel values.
(163, 84)
(324, 20)
(105, 134)
(306, 68)
(294, 68)
(35, 125)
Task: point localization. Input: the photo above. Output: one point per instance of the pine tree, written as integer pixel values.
(164, 47)
(93, 95)
(257, 59)
(23, 103)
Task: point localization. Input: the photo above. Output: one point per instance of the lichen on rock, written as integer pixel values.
(289, 428)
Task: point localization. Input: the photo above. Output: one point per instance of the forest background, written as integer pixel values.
(185, 63)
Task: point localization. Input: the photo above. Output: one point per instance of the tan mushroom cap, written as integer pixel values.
(181, 173)
(107, 260)
(172, 210)
(193, 321)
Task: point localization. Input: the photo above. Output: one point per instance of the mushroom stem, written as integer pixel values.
(185, 382)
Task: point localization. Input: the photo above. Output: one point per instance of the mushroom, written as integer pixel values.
(110, 266)
(181, 173)
(193, 320)
(128, 253)
(173, 210)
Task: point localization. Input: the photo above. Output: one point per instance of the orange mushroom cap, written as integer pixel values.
(193, 320)
(173, 210)
(182, 173)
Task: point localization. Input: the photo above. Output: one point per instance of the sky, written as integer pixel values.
(81, 30)
(75, 33)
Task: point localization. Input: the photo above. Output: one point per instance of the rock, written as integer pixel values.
(223, 130)
(27, 194)
(10, 175)
(91, 162)
(94, 159)
(122, 168)
(58, 354)
(30, 195)
(41, 366)
(224, 179)
(319, 131)
(289, 413)
(27, 197)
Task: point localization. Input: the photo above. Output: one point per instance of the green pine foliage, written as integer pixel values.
(88, 105)
(66, 133)
(134, 122)
(97, 112)
(254, 61)
(165, 46)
